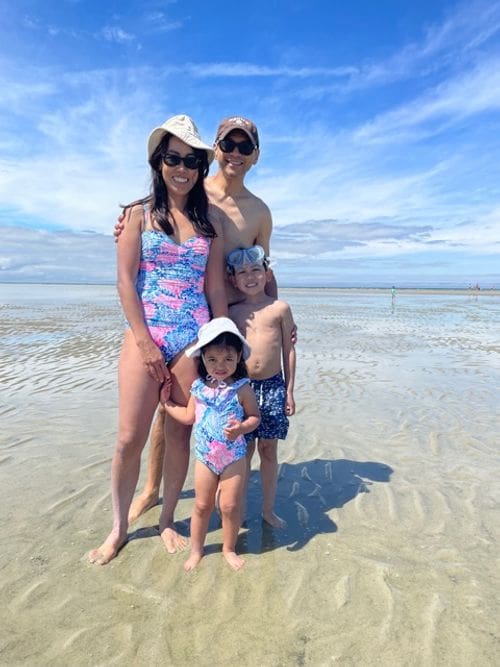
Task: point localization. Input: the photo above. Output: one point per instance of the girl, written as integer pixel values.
(223, 408)
(170, 269)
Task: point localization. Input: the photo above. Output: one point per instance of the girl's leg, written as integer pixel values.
(205, 487)
(268, 451)
(138, 397)
(232, 487)
(176, 459)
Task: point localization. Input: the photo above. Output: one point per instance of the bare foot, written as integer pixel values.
(234, 561)
(108, 550)
(142, 504)
(193, 560)
(172, 540)
(273, 520)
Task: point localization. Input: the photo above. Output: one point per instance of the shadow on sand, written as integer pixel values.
(306, 492)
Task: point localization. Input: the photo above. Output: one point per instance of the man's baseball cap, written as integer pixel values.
(238, 123)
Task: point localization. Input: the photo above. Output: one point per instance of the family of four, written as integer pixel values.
(207, 343)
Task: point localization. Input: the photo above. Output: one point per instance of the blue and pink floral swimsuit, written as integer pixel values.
(214, 407)
(170, 284)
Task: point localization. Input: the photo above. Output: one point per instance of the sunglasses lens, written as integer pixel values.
(191, 162)
(245, 147)
(171, 160)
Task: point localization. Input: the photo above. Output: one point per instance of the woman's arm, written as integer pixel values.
(128, 259)
(264, 239)
(183, 414)
(214, 276)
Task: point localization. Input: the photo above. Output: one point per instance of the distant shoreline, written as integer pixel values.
(491, 291)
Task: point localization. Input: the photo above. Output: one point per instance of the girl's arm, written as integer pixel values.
(214, 277)
(128, 259)
(289, 357)
(248, 401)
(183, 414)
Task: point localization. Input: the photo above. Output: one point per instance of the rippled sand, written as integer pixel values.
(389, 483)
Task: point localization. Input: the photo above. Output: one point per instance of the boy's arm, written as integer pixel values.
(289, 357)
(183, 414)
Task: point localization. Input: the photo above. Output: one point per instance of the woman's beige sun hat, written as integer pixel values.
(182, 127)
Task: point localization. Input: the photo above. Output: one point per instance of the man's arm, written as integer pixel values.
(263, 239)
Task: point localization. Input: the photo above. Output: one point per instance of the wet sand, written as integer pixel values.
(389, 483)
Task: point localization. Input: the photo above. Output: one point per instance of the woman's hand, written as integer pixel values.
(153, 360)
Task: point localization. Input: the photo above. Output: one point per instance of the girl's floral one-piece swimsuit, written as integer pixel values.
(170, 284)
(214, 406)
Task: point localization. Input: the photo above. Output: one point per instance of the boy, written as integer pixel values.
(267, 324)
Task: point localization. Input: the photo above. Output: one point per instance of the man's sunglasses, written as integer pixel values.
(190, 161)
(244, 147)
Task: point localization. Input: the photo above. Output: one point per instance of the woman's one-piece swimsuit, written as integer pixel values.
(170, 284)
(214, 407)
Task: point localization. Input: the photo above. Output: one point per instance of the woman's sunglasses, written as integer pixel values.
(190, 161)
(244, 147)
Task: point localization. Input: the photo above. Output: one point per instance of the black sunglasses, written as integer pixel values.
(190, 161)
(244, 147)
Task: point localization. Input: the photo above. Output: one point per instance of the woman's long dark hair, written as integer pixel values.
(197, 202)
(225, 339)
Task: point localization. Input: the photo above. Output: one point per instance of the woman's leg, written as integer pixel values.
(232, 487)
(138, 397)
(205, 486)
(176, 459)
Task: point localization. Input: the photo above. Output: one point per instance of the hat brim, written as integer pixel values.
(156, 136)
(209, 332)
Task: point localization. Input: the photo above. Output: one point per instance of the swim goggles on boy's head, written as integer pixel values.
(241, 256)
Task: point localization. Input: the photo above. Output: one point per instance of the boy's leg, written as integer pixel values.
(151, 492)
(232, 487)
(268, 451)
(205, 487)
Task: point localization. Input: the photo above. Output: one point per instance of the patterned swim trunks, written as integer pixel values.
(271, 398)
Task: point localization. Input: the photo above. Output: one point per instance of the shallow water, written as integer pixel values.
(389, 484)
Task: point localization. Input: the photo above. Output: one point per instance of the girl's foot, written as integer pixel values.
(108, 550)
(193, 560)
(234, 561)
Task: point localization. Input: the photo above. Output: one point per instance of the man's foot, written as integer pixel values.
(234, 561)
(108, 550)
(172, 540)
(193, 560)
(274, 520)
(142, 504)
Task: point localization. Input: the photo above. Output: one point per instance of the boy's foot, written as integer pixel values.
(234, 561)
(172, 540)
(274, 520)
(142, 504)
(193, 561)
(107, 551)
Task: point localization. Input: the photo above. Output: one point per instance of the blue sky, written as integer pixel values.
(379, 124)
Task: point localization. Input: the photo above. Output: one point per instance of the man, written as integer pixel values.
(246, 221)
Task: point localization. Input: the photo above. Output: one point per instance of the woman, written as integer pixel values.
(170, 270)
